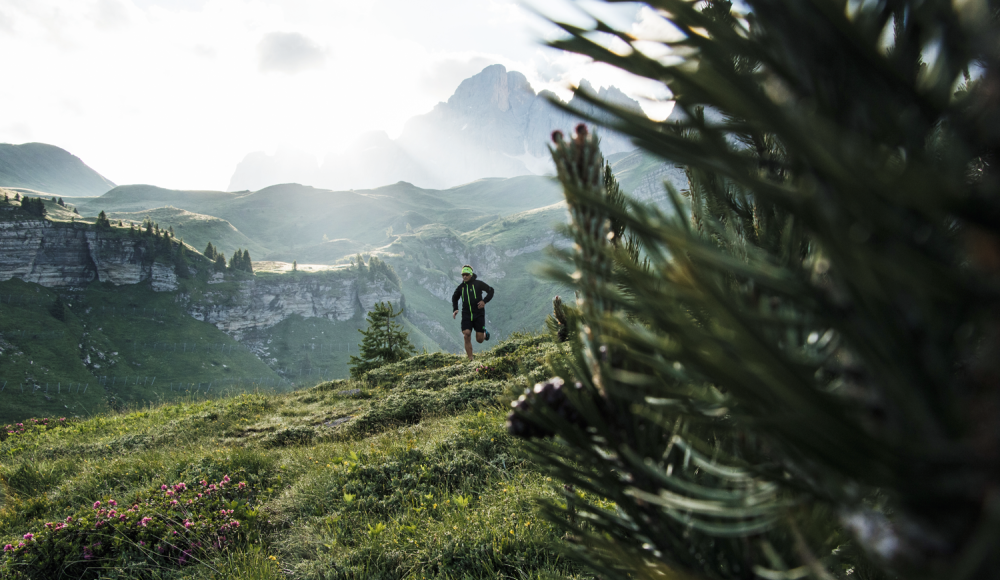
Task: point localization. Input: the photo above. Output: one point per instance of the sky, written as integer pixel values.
(176, 93)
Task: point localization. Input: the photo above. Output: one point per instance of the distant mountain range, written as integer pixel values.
(49, 169)
(495, 125)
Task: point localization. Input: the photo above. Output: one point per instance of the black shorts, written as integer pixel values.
(477, 323)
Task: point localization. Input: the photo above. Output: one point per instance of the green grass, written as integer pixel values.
(128, 334)
(412, 476)
(196, 230)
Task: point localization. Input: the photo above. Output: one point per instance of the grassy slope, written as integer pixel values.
(196, 229)
(48, 168)
(127, 331)
(419, 480)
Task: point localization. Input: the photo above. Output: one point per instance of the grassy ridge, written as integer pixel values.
(406, 473)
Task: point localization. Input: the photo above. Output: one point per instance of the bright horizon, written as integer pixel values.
(175, 93)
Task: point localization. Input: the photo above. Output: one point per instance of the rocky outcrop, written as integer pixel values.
(70, 256)
(494, 125)
(61, 255)
(238, 307)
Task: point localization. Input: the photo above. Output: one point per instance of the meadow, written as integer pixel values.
(407, 472)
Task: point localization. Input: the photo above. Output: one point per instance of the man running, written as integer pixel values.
(475, 294)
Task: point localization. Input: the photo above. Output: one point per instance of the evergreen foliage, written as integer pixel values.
(240, 261)
(33, 206)
(102, 221)
(210, 251)
(384, 341)
(798, 378)
(220, 262)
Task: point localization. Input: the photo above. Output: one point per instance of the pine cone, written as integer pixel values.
(550, 394)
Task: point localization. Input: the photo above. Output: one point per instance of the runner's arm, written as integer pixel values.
(455, 297)
(487, 292)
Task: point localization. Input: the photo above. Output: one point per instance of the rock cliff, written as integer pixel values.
(71, 255)
(236, 307)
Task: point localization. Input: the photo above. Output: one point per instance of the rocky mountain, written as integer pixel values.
(494, 125)
(69, 256)
(49, 169)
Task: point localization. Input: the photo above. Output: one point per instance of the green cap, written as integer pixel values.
(467, 270)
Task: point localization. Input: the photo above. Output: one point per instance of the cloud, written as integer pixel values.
(289, 52)
(110, 15)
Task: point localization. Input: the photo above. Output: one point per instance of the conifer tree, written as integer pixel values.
(210, 251)
(247, 262)
(220, 262)
(798, 377)
(102, 221)
(384, 341)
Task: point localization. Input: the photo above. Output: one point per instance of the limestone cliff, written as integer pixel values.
(236, 307)
(71, 255)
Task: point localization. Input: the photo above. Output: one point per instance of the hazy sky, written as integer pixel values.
(176, 92)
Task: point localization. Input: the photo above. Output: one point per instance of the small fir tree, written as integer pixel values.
(210, 251)
(102, 221)
(384, 341)
(220, 262)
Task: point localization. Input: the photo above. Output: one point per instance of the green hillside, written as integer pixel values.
(78, 353)
(49, 169)
(407, 473)
(195, 229)
(291, 218)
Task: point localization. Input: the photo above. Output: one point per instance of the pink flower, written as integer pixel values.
(163, 487)
(28, 536)
(112, 502)
(69, 518)
(142, 543)
(8, 547)
(242, 485)
(170, 492)
(180, 486)
(225, 479)
(97, 504)
(145, 521)
(203, 483)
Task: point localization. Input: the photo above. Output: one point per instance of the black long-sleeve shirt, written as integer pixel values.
(471, 293)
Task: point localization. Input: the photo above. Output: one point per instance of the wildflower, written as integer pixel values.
(144, 521)
(243, 484)
(163, 487)
(112, 502)
(69, 518)
(173, 502)
(8, 548)
(28, 536)
(97, 504)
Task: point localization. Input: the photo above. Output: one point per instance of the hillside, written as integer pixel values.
(407, 473)
(195, 229)
(49, 169)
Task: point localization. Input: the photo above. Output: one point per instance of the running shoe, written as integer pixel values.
(487, 334)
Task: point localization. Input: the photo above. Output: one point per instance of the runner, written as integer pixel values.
(475, 294)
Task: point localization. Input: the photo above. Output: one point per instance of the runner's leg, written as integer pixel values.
(468, 342)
